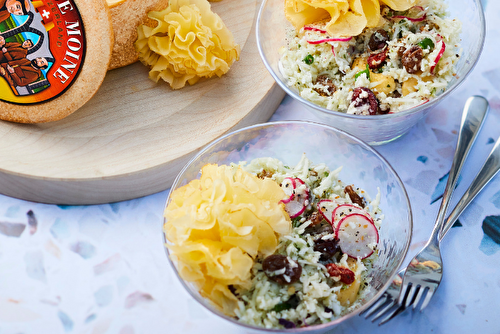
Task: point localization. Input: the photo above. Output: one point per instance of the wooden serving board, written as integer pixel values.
(133, 137)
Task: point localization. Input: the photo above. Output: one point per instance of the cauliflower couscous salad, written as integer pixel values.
(374, 59)
(274, 246)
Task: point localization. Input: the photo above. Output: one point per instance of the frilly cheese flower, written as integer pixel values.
(344, 17)
(218, 224)
(188, 43)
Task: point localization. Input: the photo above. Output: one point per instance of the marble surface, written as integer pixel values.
(102, 268)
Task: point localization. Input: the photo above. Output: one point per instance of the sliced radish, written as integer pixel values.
(298, 200)
(357, 236)
(347, 209)
(440, 53)
(326, 208)
(315, 29)
(418, 10)
(294, 209)
(288, 185)
(325, 40)
(301, 192)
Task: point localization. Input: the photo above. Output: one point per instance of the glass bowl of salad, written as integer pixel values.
(287, 226)
(381, 81)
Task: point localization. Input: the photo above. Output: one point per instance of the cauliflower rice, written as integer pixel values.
(328, 73)
(316, 297)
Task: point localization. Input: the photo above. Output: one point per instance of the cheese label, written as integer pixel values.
(42, 49)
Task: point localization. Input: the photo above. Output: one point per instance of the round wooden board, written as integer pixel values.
(133, 137)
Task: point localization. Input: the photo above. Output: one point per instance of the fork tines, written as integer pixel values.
(384, 306)
(416, 292)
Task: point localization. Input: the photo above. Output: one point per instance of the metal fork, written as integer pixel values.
(424, 273)
(388, 301)
(388, 304)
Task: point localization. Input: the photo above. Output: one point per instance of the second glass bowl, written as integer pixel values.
(378, 129)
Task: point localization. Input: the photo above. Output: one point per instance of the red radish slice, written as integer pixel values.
(326, 208)
(296, 203)
(298, 181)
(288, 185)
(440, 54)
(301, 192)
(347, 209)
(357, 235)
(294, 209)
(325, 40)
(416, 19)
(315, 29)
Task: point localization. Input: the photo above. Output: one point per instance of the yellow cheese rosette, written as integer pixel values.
(344, 17)
(189, 42)
(399, 4)
(218, 224)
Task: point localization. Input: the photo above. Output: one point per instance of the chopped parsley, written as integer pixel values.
(309, 59)
(426, 43)
(365, 71)
(293, 302)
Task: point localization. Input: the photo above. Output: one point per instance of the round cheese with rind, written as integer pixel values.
(126, 16)
(53, 57)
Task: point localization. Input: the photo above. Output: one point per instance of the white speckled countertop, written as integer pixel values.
(102, 268)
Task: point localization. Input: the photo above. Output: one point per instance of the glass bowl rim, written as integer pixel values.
(403, 113)
(205, 303)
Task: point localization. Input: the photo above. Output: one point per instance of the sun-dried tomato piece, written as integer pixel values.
(376, 60)
(346, 275)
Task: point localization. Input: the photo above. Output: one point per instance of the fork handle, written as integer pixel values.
(474, 112)
(489, 169)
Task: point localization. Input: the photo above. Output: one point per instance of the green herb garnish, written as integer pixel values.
(282, 307)
(296, 221)
(309, 59)
(365, 71)
(426, 43)
(293, 302)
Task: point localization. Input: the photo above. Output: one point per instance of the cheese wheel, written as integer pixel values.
(54, 56)
(126, 16)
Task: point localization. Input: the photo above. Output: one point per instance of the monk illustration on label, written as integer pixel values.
(42, 47)
(14, 50)
(22, 72)
(15, 7)
(24, 47)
